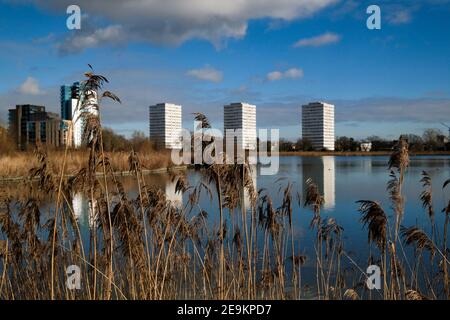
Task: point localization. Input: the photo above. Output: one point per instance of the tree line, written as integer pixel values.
(430, 140)
(112, 142)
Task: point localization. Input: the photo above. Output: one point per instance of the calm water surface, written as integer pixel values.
(341, 180)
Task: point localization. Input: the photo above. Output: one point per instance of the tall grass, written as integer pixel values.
(19, 164)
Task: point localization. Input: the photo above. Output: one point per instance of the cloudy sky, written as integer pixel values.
(205, 53)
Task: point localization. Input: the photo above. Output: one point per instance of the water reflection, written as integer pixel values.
(85, 211)
(247, 196)
(79, 206)
(83, 208)
(322, 172)
(175, 198)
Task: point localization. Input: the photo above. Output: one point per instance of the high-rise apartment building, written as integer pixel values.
(241, 116)
(165, 125)
(75, 107)
(318, 125)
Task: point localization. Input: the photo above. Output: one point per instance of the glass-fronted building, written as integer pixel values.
(67, 95)
(18, 119)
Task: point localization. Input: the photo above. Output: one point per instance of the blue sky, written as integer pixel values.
(203, 54)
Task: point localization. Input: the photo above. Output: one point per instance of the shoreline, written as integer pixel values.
(162, 170)
(358, 153)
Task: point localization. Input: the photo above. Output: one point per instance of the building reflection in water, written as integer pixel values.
(175, 198)
(247, 199)
(86, 212)
(322, 172)
(78, 206)
(83, 208)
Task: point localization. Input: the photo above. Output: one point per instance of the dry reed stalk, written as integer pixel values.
(136, 167)
(56, 219)
(399, 160)
(351, 294)
(3, 254)
(446, 211)
(414, 295)
(374, 217)
(315, 200)
(427, 200)
(417, 237)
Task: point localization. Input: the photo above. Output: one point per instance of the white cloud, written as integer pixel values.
(30, 86)
(401, 16)
(176, 21)
(274, 75)
(318, 41)
(293, 73)
(206, 73)
(49, 38)
(77, 42)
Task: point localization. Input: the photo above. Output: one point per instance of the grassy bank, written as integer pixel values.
(19, 164)
(354, 153)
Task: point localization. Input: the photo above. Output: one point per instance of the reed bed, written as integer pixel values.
(145, 247)
(19, 164)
